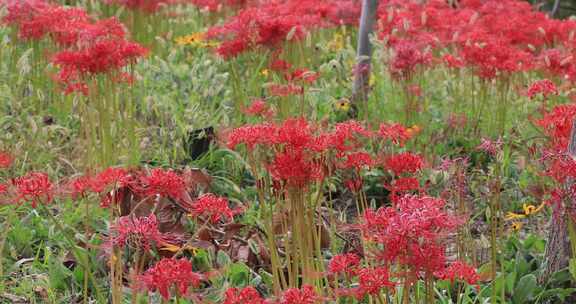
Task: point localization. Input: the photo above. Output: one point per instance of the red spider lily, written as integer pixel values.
(557, 124)
(170, 274)
(358, 160)
(138, 233)
(246, 295)
(213, 207)
(372, 281)
(411, 232)
(165, 183)
(303, 75)
(304, 295)
(258, 107)
(5, 160)
(404, 163)
(280, 65)
(544, 87)
(399, 187)
(397, 133)
(344, 263)
(407, 58)
(348, 135)
(295, 168)
(101, 48)
(34, 187)
(491, 147)
(3, 189)
(109, 179)
(459, 271)
(79, 186)
(251, 135)
(283, 90)
(269, 24)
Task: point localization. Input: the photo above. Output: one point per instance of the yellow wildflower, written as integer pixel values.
(337, 42)
(531, 209)
(343, 105)
(196, 40)
(514, 216)
(516, 226)
(265, 73)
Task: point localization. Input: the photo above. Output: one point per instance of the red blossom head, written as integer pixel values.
(372, 281)
(213, 208)
(459, 271)
(34, 187)
(246, 295)
(304, 295)
(170, 274)
(5, 160)
(404, 163)
(344, 263)
(165, 183)
(397, 133)
(544, 87)
(138, 233)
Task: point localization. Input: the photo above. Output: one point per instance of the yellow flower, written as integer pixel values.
(337, 43)
(265, 73)
(414, 130)
(372, 80)
(195, 39)
(343, 105)
(531, 209)
(175, 248)
(514, 216)
(516, 226)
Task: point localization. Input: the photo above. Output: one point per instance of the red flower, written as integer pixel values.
(305, 295)
(258, 107)
(459, 271)
(3, 189)
(247, 295)
(491, 147)
(303, 75)
(404, 163)
(251, 135)
(139, 233)
(544, 87)
(358, 160)
(344, 263)
(371, 281)
(407, 57)
(283, 90)
(169, 273)
(213, 207)
(401, 186)
(5, 160)
(295, 168)
(35, 188)
(397, 133)
(109, 178)
(411, 232)
(165, 183)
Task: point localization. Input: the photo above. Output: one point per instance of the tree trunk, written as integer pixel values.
(364, 51)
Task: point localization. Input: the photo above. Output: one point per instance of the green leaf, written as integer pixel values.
(525, 289)
(239, 274)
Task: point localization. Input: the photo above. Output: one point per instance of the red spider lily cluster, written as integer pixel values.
(170, 276)
(87, 47)
(301, 153)
(492, 38)
(411, 234)
(269, 24)
(111, 184)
